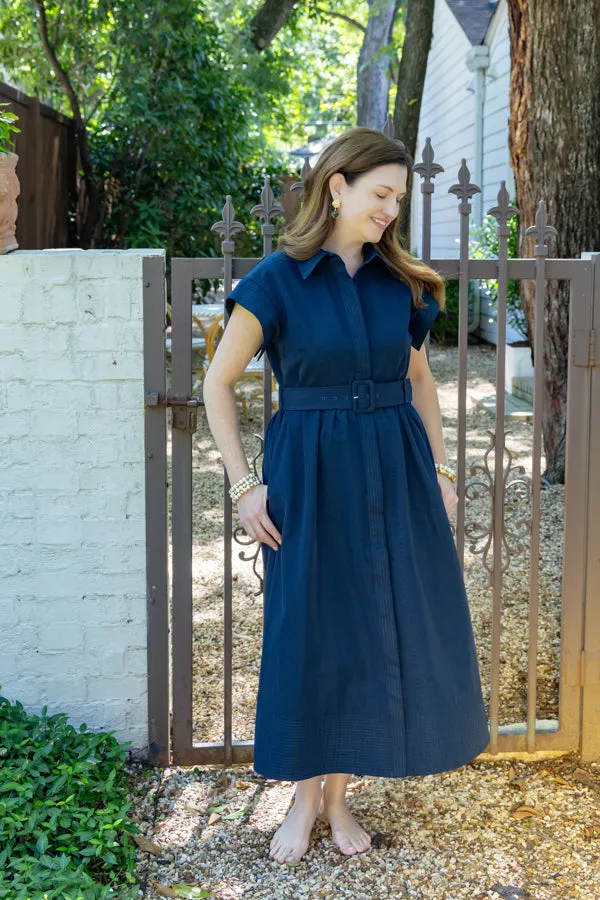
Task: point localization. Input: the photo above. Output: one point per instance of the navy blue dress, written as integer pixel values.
(368, 657)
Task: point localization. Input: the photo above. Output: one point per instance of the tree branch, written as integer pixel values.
(81, 136)
(58, 69)
(337, 15)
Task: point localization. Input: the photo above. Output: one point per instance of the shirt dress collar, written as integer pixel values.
(306, 266)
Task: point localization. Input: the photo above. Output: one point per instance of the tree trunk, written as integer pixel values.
(374, 72)
(268, 20)
(411, 78)
(554, 144)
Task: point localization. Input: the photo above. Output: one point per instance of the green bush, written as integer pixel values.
(7, 128)
(445, 328)
(64, 831)
(178, 133)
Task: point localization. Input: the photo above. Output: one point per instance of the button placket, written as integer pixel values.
(383, 594)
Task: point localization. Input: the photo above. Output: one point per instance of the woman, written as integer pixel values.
(368, 659)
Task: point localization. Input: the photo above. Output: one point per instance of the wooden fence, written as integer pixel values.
(47, 172)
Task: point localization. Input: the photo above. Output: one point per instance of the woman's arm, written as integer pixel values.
(427, 404)
(239, 342)
(426, 401)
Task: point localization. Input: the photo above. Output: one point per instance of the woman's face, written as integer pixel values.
(372, 203)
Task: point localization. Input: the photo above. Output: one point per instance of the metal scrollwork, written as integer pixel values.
(515, 490)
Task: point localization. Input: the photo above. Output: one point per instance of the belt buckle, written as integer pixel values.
(358, 395)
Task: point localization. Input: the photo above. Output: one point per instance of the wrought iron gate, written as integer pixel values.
(170, 630)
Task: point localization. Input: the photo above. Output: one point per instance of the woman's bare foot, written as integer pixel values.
(290, 841)
(349, 836)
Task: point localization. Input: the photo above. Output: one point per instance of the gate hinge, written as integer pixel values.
(185, 409)
(586, 347)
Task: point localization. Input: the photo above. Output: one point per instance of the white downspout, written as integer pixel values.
(477, 60)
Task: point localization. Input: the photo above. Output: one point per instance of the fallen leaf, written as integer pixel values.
(518, 784)
(381, 839)
(162, 890)
(525, 812)
(149, 846)
(242, 785)
(214, 817)
(193, 810)
(191, 891)
(560, 780)
(583, 777)
(237, 814)
(510, 891)
(182, 891)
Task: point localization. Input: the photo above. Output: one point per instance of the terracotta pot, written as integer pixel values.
(9, 191)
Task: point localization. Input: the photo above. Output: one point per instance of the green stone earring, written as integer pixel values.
(335, 211)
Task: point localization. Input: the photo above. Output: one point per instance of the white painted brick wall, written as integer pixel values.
(72, 527)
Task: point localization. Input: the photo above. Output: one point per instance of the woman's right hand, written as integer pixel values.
(252, 510)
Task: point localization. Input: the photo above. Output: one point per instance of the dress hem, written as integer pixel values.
(375, 771)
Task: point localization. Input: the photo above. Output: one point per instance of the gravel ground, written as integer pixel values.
(491, 829)
(487, 830)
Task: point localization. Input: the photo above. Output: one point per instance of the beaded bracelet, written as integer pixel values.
(244, 484)
(446, 470)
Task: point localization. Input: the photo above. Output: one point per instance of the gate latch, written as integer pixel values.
(185, 409)
(586, 348)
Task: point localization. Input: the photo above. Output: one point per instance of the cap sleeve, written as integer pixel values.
(253, 296)
(421, 320)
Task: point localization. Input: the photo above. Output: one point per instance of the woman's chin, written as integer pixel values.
(374, 233)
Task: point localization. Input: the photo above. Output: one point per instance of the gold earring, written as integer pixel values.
(336, 205)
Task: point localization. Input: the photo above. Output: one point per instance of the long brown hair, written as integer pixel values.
(354, 153)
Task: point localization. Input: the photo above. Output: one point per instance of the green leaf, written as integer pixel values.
(191, 891)
(237, 814)
(41, 844)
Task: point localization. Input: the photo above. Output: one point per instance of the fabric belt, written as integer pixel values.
(362, 395)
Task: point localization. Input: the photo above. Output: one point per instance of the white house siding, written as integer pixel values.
(447, 117)
(448, 113)
(496, 165)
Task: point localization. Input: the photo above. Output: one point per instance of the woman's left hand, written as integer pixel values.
(449, 495)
